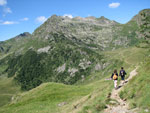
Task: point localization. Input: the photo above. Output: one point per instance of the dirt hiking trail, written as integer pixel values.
(119, 105)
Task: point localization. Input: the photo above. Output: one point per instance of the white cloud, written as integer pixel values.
(7, 10)
(114, 5)
(41, 19)
(3, 2)
(25, 19)
(9, 23)
(68, 15)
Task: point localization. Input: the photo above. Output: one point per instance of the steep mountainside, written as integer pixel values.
(71, 51)
(143, 21)
(64, 50)
(60, 60)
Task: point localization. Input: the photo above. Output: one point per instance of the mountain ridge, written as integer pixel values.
(64, 65)
(60, 36)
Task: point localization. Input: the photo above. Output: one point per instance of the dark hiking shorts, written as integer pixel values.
(122, 77)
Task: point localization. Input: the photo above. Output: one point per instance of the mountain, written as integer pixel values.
(97, 33)
(14, 43)
(64, 49)
(78, 51)
(142, 19)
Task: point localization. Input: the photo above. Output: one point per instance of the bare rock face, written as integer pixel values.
(61, 68)
(45, 49)
(84, 64)
(98, 67)
(72, 71)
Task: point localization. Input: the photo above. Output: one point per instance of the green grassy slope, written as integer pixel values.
(129, 58)
(137, 92)
(7, 89)
(46, 98)
(87, 96)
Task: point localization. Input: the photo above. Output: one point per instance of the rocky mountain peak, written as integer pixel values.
(54, 19)
(54, 16)
(102, 17)
(103, 20)
(24, 34)
(90, 17)
(77, 18)
(91, 30)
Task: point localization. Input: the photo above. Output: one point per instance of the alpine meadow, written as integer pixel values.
(64, 66)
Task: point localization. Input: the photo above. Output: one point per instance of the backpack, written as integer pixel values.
(115, 76)
(122, 73)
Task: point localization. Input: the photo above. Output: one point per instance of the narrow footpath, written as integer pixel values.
(122, 105)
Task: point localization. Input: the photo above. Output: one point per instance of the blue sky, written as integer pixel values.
(18, 16)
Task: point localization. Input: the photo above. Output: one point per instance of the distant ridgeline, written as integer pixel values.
(68, 50)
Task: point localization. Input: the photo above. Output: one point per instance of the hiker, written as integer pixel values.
(114, 76)
(122, 74)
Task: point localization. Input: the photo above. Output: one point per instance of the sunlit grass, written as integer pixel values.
(89, 95)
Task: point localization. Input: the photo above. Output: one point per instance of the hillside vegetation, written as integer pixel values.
(137, 91)
(65, 64)
(8, 89)
(90, 95)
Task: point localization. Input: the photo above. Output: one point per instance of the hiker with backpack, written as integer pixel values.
(114, 76)
(122, 74)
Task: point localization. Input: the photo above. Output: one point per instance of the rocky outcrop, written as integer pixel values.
(91, 32)
(45, 49)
